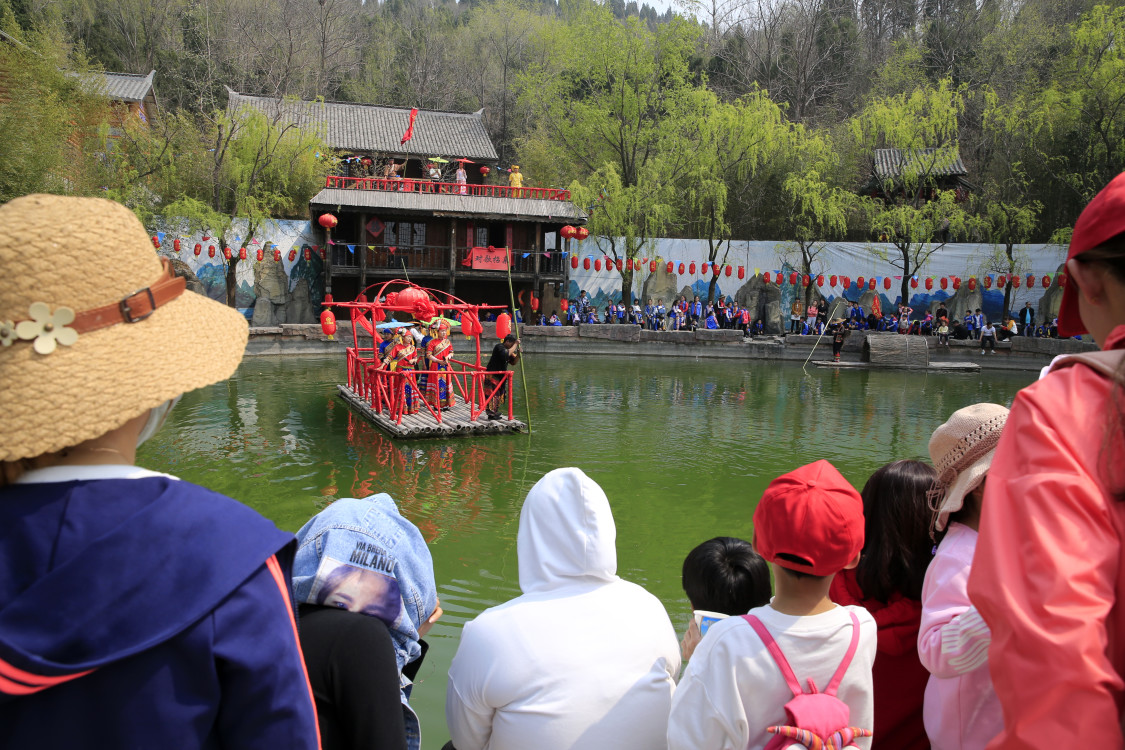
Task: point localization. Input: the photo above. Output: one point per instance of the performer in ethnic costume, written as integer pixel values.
(429, 333)
(439, 389)
(403, 357)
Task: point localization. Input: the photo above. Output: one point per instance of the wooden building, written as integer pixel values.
(398, 220)
(928, 169)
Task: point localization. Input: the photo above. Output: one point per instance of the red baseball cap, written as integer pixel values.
(1102, 220)
(814, 514)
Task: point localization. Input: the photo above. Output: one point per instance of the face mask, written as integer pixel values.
(156, 417)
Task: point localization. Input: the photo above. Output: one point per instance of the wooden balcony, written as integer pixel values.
(408, 185)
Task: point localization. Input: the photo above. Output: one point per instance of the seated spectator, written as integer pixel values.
(582, 658)
(809, 526)
(888, 583)
(722, 576)
(364, 580)
(554, 320)
(712, 323)
(758, 327)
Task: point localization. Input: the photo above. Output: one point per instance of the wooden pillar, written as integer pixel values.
(452, 255)
(536, 243)
(362, 251)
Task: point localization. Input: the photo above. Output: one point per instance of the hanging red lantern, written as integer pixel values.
(156, 242)
(636, 264)
(328, 221)
(1001, 281)
(324, 255)
(691, 268)
(652, 266)
(534, 304)
(729, 270)
(276, 253)
(242, 253)
(1030, 280)
(567, 232)
(293, 255)
(859, 282)
(987, 282)
(198, 249)
(972, 283)
(794, 278)
(564, 304)
(805, 280)
(742, 273)
(1016, 282)
(944, 283)
(887, 283)
(226, 253)
(308, 253)
(586, 264)
(176, 245)
(929, 284)
(913, 283)
(574, 262)
(1046, 281)
(211, 251)
(820, 279)
(871, 284)
(1062, 280)
(581, 233)
(668, 267)
(261, 255)
(832, 281)
(598, 264)
(681, 269)
(485, 170)
(956, 283)
(620, 264)
(328, 323)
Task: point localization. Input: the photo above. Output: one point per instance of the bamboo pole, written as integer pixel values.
(515, 328)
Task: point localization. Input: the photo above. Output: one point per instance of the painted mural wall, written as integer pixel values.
(836, 259)
(268, 292)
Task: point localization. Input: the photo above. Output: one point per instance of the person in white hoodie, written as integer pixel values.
(583, 659)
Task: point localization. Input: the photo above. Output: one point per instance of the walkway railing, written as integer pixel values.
(385, 390)
(445, 188)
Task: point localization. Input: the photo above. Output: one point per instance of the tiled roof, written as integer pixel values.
(128, 87)
(367, 127)
(892, 162)
(449, 205)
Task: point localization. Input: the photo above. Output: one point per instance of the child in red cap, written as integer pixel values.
(809, 526)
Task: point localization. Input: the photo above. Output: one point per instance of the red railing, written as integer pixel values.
(385, 391)
(445, 188)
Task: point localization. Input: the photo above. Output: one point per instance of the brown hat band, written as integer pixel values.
(132, 308)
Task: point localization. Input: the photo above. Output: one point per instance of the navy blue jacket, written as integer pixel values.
(146, 613)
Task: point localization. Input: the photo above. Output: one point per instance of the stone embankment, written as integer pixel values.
(631, 341)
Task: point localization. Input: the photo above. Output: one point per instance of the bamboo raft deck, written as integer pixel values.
(455, 421)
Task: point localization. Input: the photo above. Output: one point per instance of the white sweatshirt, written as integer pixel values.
(583, 659)
(733, 690)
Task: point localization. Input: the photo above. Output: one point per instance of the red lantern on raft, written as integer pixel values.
(328, 323)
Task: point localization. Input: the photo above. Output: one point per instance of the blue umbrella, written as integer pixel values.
(392, 324)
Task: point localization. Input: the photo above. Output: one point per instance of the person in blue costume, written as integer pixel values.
(137, 610)
(712, 323)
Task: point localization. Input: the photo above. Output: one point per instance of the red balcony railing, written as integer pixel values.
(445, 188)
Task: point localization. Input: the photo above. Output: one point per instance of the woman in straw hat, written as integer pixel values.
(1050, 577)
(136, 610)
(960, 709)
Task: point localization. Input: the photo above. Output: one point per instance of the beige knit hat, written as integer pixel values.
(94, 329)
(961, 451)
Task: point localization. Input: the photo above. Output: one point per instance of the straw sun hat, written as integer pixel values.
(82, 349)
(962, 450)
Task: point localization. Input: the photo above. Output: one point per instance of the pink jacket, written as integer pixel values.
(1049, 576)
(960, 711)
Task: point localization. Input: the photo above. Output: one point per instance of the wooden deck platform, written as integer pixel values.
(455, 422)
(931, 366)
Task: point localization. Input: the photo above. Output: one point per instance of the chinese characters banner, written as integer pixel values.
(490, 258)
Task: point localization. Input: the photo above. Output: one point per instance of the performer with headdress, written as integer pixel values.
(402, 357)
(439, 388)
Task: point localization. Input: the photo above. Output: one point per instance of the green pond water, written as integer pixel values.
(682, 447)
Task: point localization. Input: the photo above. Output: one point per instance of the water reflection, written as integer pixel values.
(683, 449)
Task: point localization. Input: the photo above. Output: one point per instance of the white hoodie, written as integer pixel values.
(583, 659)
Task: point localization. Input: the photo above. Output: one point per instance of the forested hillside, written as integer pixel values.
(730, 118)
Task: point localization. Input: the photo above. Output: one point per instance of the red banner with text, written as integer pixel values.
(490, 258)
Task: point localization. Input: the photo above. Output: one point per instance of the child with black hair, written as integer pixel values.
(723, 575)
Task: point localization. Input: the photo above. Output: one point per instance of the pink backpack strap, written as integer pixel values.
(775, 652)
(837, 678)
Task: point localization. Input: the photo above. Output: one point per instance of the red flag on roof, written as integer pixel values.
(409, 128)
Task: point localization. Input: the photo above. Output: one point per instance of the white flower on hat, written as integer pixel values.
(48, 330)
(7, 332)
